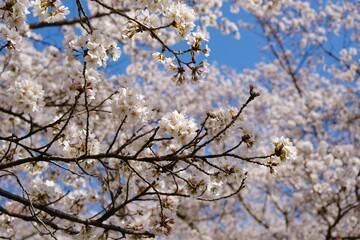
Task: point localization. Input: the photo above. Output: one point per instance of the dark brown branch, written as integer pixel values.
(34, 219)
(63, 215)
(67, 22)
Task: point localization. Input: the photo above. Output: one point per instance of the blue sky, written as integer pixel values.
(238, 54)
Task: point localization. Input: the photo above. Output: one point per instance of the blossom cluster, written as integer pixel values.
(96, 48)
(5, 223)
(194, 41)
(234, 173)
(76, 200)
(181, 17)
(218, 119)
(50, 10)
(152, 26)
(44, 190)
(14, 12)
(178, 126)
(284, 149)
(77, 142)
(195, 72)
(146, 18)
(162, 218)
(75, 82)
(12, 37)
(117, 167)
(131, 104)
(27, 95)
(166, 13)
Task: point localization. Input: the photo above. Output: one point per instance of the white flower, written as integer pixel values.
(50, 10)
(305, 147)
(96, 48)
(182, 17)
(176, 125)
(159, 57)
(36, 167)
(96, 37)
(114, 52)
(44, 190)
(215, 185)
(5, 223)
(161, 223)
(206, 51)
(74, 80)
(73, 142)
(14, 13)
(195, 39)
(195, 186)
(130, 103)
(93, 61)
(284, 149)
(27, 95)
(12, 36)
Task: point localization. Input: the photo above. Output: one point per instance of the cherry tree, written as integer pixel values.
(173, 145)
(310, 93)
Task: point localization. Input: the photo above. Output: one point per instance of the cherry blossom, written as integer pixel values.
(119, 127)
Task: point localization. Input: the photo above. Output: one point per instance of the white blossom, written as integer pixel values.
(50, 10)
(27, 95)
(284, 149)
(178, 126)
(131, 104)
